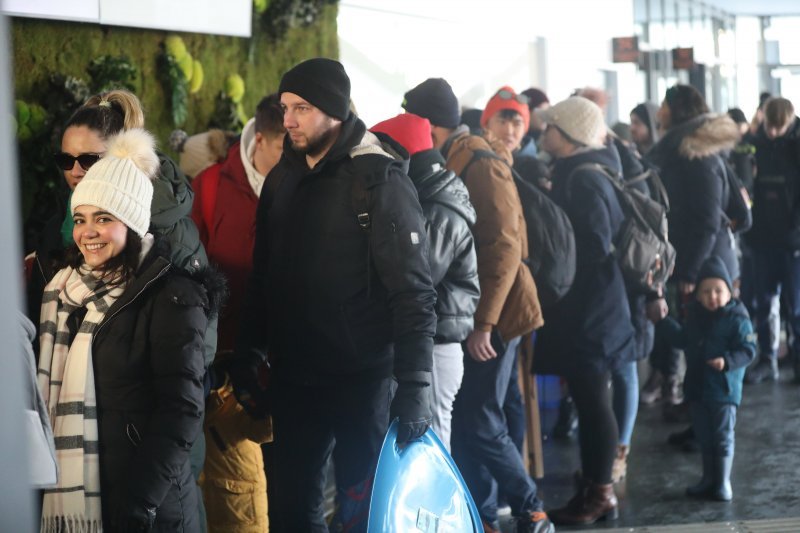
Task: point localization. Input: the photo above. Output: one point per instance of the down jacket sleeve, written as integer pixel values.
(177, 328)
(399, 248)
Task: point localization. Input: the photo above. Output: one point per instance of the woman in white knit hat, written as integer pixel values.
(589, 332)
(121, 358)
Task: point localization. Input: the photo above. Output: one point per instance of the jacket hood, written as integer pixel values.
(700, 137)
(172, 196)
(247, 147)
(381, 144)
(648, 111)
(436, 184)
(606, 156)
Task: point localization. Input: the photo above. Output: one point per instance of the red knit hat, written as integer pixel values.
(411, 131)
(506, 98)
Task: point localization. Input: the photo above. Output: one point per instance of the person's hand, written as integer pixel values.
(718, 364)
(133, 517)
(479, 346)
(685, 288)
(656, 310)
(412, 405)
(250, 381)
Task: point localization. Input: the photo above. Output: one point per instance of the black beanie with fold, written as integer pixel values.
(435, 100)
(714, 267)
(321, 82)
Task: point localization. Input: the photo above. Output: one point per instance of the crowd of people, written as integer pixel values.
(212, 332)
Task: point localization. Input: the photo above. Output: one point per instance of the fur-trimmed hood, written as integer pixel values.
(700, 137)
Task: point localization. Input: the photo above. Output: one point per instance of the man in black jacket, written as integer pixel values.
(775, 235)
(341, 301)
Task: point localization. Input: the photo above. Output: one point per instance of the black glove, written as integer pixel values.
(250, 380)
(412, 404)
(133, 517)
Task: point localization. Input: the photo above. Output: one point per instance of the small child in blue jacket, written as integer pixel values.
(719, 343)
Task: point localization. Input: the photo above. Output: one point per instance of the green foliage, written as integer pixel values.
(282, 15)
(110, 72)
(226, 114)
(50, 68)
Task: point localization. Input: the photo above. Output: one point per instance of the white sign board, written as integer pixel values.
(232, 17)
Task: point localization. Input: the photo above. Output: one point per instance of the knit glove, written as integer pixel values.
(250, 381)
(133, 517)
(412, 405)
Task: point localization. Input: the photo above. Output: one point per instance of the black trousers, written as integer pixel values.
(311, 423)
(598, 434)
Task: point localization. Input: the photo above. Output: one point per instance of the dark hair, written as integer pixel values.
(126, 262)
(737, 115)
(508, 114)
(778, 112)
(472, 118)
(685, 103)
(109, 113)
(762, 98)
(269, 116)
(536, 97)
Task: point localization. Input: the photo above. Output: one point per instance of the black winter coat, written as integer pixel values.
(330, 301)
(776, 191)
(690, 158)
(449, 215)
(148, 364)
(590, 328)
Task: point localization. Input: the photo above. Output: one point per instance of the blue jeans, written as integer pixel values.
(482, 448)
(713, 424)
(625, 401)
(777, 272)
(514, 407)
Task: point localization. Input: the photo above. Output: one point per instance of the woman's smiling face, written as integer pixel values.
(98, 234)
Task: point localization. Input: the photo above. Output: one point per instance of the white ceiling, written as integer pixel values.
(758, 7)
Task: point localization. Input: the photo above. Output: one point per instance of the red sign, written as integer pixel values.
(625, 49)
(682, 58)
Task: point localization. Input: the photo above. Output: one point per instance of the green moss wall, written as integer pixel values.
(44, 47)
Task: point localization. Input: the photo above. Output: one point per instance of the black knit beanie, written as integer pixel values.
(323, 83)
(714, 267)
(435, 100)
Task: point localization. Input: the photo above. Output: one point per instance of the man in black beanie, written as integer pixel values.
(507, 311)
(340, 303)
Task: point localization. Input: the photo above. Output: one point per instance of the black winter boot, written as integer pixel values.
(764, 369)
(706, 484)
(722, 490)
(567, 423)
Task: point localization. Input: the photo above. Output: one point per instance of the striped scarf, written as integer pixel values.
(66, 380)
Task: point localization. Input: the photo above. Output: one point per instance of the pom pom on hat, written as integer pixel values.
(121, 182)
(411, 131)
(581, 119)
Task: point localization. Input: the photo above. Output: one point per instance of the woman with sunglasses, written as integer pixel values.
(121, 358)
(83, 143)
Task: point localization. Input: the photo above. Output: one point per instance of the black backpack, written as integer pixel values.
(550, 237)
(642, 248)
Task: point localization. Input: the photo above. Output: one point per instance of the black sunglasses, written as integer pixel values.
(508, 95)
(66, 161)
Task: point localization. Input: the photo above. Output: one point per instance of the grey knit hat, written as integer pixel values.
(121, 182)
(581, 119)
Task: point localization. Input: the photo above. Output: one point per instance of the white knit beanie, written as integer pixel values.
(579, 118)
(121, 182)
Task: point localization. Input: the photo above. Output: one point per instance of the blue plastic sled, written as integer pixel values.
(419, 489)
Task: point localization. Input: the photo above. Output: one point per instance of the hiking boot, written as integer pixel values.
(685, 440)
(671, 390)
(567, 423)
(620, 468)
(765, 369)
(593, 502)
(535, 522)
(651, 392)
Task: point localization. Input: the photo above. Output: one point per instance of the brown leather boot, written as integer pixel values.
(593, 502)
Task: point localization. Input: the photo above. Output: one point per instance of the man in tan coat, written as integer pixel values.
(508, 308)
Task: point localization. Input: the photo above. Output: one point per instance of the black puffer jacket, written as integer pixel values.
(591, 326)
(776, 191)
(148, 365)
(690, 157)
(330, 301)
(454, 265)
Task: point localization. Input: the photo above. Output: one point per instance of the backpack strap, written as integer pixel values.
(359, 198)
(477, 155)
